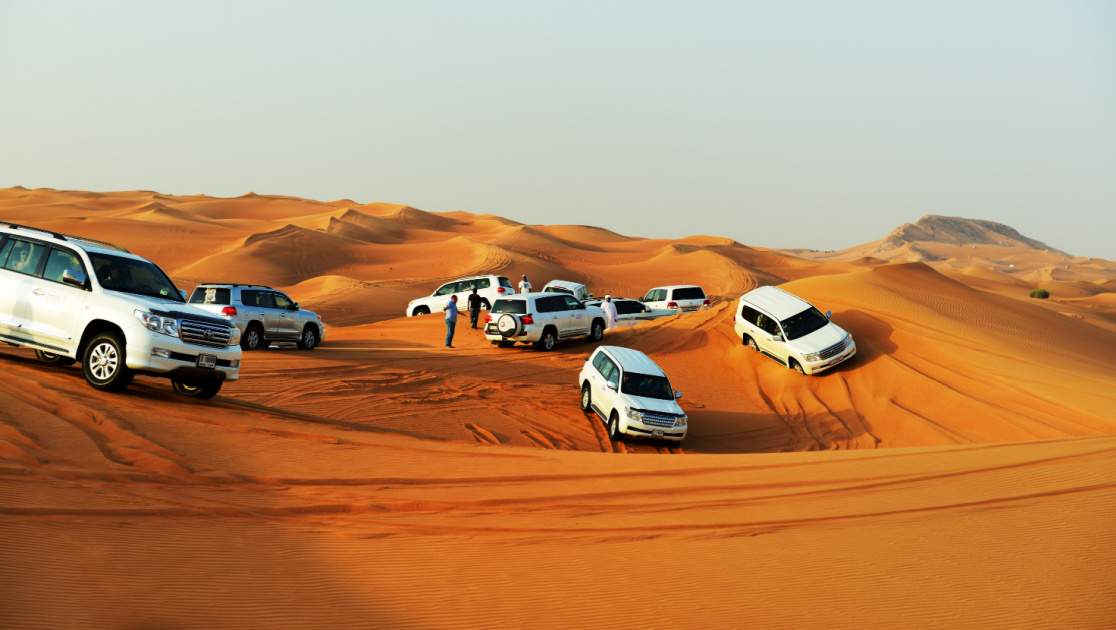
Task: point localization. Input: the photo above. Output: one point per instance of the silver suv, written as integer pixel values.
(262, 314)
(542, 319)
(75, 299)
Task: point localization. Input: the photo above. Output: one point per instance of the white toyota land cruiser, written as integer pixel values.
(631, 394)
(75, 299)
(791, 331)
(542, 319)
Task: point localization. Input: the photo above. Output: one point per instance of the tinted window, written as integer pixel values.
(133, 275)
(550, 304)
(484, 283)
(749, 314)
(60, 261)
(572, 303)
(210, 295)
(804, 323)
(599, 361)
(660, 295)
(608, 369)
(447, 289)
(517, 307)
(257, 299)
(624, 307)
(465, 286)
(689, 293)
(557, 290)
(504, 282)
(646, 386)
(767, 324)
(282, 301)
(24, 256)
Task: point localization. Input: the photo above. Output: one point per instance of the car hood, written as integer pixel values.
(169, 308)
(652, 404)
(818, 340)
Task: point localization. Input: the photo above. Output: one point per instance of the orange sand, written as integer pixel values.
(381, 481)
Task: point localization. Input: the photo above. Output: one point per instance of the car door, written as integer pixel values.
(22, 261)
(287, 325)
(605, 370)
(577, 321)
(550, 310)
(55, 311)
(769, 338)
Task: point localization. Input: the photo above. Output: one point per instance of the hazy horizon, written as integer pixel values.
(802, 125)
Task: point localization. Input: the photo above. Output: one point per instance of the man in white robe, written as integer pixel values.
(609, 308)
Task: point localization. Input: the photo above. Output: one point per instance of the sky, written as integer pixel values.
(817, 125)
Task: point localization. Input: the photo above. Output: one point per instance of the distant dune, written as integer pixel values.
(959, 472)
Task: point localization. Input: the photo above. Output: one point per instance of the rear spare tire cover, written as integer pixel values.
(509, 325)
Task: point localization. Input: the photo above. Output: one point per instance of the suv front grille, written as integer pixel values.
(835, 349)
(653, 419)
(203, 334)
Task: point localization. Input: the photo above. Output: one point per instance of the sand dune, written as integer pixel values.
(959, 472)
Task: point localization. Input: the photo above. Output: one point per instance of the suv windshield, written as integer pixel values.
(646, 386)
(133, 275)
(517, 307)
(804, 323)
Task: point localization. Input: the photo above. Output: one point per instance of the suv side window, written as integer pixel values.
(447, 289)
(609, 370)
(767, 324)
(58, 262)
(24, 256)
(572, 303)
(749, 314)
(483, 283)
(550, 304)
(659, 295)
(282, 301)
(624, 307)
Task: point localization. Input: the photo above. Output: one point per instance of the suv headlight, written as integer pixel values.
(635, 415)
(812, 357)
(165, 325)
(680, 422)
(234, 337)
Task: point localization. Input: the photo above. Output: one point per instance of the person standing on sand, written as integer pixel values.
(451, 319)
(609, 308)
(525, 285)
(474, 308)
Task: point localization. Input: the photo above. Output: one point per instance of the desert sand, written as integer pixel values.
(959, 472)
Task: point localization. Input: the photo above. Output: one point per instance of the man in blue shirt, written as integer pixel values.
(451, 319)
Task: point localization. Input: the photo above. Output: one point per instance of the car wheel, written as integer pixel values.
(421, 310)
(586, 398)
(253, 337)
(196, 389)
(797, 367)
(596, 332)
(614, 427)
(309, 339)
(104, 364)
(57, 359)
(485, 306)
(752, 344)
(547, 341)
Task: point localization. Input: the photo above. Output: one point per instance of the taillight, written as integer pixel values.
(319, 318)
(229, 310)
(527, 319)
(705, 303)
(487, 319)
(500, 290)
(672, 304)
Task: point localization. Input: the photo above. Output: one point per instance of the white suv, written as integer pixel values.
(631, 394)
(542, 319)
(791, 331)
(262, 314)
(489, 288)
(680, 299)
(576, 289)
(75, 299)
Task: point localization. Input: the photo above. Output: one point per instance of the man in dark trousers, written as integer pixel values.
(474, 307)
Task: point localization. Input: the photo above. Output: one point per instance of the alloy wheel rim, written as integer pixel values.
(104, 361)
(585, 397)
(308, 338)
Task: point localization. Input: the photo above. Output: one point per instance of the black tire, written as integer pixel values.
(420, 310)
(547, 341)
(104, 363)
(614, 427)
(309, 338)
(798, 367)
(204, 389)
(586, 398)
(57, 359)
(485, 306)
(504, 344)
(751, 343)
(253, 337)
(596, 331)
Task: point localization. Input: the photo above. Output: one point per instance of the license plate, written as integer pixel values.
(207, 361)
(657, 433)
(689, 309)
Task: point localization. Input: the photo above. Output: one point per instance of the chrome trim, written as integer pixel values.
(203, 334)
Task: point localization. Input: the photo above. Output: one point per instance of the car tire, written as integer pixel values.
(547, 341)
(614, 427)
(253, 338)
(586, 398)
(104, 363)
(309, 339)
(797, 367)
(751, 343)
(485, 306)
(420, 310)
(57, 359)
(204, 390)
(596, 331)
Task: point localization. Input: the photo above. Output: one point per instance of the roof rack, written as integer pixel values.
(234, 284)
(67, 237)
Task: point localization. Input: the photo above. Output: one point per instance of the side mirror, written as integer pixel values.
(828, 314)
(73, 278)
(612, 385)
(642, 300)
(777, 337)
(185, 297)
(294, 307)
(677, 395)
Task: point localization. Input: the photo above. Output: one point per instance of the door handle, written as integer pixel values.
(38, 292)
